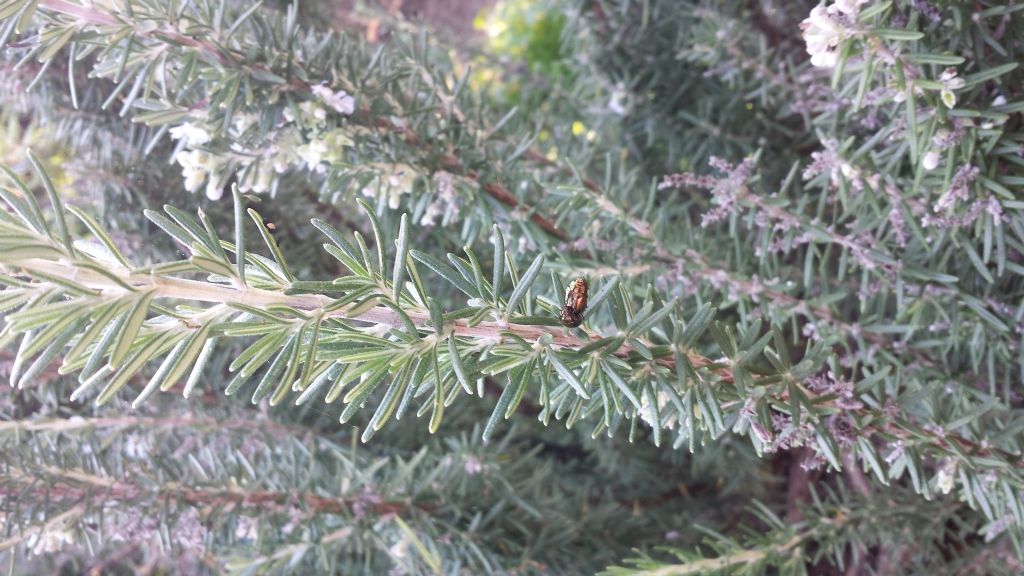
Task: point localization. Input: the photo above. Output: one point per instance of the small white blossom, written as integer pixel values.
(399, 550)
(195, 165)
(313, 112)
(312, 153)
(930, 161)
(262, 180)
(944, 479)
(950, 82)
(615, 103)
(472, 465)
(214, 189)
(434, 209)
(822, 36)
(336, 141)
(850, 8)
(825, 28)
(340, 101)
(398, 184)
(323, 148)
(191, 134)
(446, 204)
(284, 152)
(393, 186)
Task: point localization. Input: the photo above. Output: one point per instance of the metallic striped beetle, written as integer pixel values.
(575, 303)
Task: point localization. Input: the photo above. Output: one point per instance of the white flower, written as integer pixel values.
(340, 101)
(392, 186)
(949, 78)
(446, 204)
(214, 189)
(999, 101)
(399, 550)
(398, 183)
(472, 465)
(434, 209)
(944, 480)
(848, 170)
(822, 35)
(195, 164)
(192, 134)
(284, 151)
(930, 161)
(615, 103)
(262, 180)
(950, 82)
(849, 7)
(826, 27)
(313, 154)
(313, 112)
(336, 140)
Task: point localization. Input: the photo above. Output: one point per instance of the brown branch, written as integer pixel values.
(501, 194)
(74, 485)
(87, 15)
(67, 425)
(494, 189)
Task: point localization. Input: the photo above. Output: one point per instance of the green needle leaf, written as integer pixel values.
(524, 283)
(402, 245)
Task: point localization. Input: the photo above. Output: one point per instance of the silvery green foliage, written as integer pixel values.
(832, 281)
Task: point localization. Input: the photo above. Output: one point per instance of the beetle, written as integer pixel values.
(571, 315)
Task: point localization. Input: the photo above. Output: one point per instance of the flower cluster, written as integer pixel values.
(303, 137)
(832, 162)
(959, 191)
(391, 184)
(726, 189)
(341, 102)
(445, 204)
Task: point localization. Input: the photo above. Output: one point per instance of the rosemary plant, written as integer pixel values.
(713, 289)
